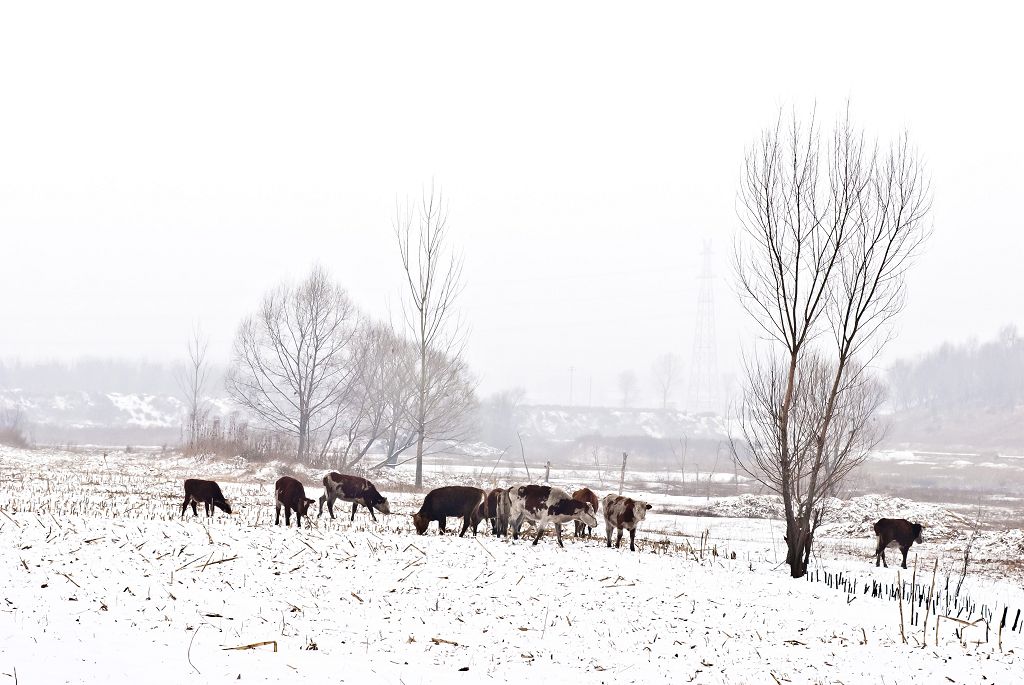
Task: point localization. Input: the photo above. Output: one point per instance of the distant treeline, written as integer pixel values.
(985, 375)
(97, 375)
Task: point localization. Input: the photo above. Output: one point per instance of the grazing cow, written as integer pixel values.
(545, 504)
(352, 489)
(623, 513)
(496, 510)
(585, 495)
(900, 531)
(292, 496)
(453, 500)
(207, 492)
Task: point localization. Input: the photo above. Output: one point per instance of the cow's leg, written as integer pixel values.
(195, 511)
(904, 550)
(618, 538)
(331, 499)
(287, 516)
(184, 505)
(517, 526)
(355, 505)
(558, 534)
(881, 551)
(370, 509)
(323, 498)
(540, 531)
(632, 538)
(441, 523)
(608, 532)
(277, 517)
(467, 521)
(878, 551)
(209, 509)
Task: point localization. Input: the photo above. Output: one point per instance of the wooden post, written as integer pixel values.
(547, 472)
(622, 473)
(899, 584)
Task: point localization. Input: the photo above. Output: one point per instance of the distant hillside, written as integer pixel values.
(143, 418)
(571, 423)
(964, 429)
(101, 418)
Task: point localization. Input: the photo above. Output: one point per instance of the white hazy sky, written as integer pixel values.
(162, 164)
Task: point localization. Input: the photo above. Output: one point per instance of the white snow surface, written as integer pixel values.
(103, 582)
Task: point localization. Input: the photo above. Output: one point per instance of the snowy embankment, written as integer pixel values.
(102, 582)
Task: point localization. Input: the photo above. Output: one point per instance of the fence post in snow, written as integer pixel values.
(622, 473)
(547, 472)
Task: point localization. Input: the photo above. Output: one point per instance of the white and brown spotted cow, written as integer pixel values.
(623, 513)
(544, 504)
(352, 489)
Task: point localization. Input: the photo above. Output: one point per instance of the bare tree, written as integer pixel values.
(434, 278)
(193, 378)
(627, 386)
(293, 360)
(363, 409)
(665, 372)
(826, 240)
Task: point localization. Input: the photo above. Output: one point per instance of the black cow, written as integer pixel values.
(352, 489)
(207, 492)
(900, 531)
(453, 500)
(290, 494)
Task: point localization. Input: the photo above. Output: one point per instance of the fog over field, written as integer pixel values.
(750, 268)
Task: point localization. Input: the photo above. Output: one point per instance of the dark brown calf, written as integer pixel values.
(454, 500)
(496, 510)
(290, 494)
(900, 531)
(352, 489)
(587, 496)
(207, 492)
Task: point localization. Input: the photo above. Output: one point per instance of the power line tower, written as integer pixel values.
(705, 391)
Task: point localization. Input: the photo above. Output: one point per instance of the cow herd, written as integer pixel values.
(505, 509)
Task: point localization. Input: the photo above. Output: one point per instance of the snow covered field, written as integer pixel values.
(100, 581)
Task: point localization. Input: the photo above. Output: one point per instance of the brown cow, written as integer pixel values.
(207, 492)
(900, 531)
(545, 504)
(453, 500)
(352, 489)
(290, 494)
(496, 510)
(585, 495)
(623, 513)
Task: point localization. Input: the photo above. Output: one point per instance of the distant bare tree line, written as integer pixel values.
(986, 375)
(96, 374)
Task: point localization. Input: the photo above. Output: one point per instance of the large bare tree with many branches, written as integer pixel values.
(828, 231)
(434, 279)
(294, 360)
